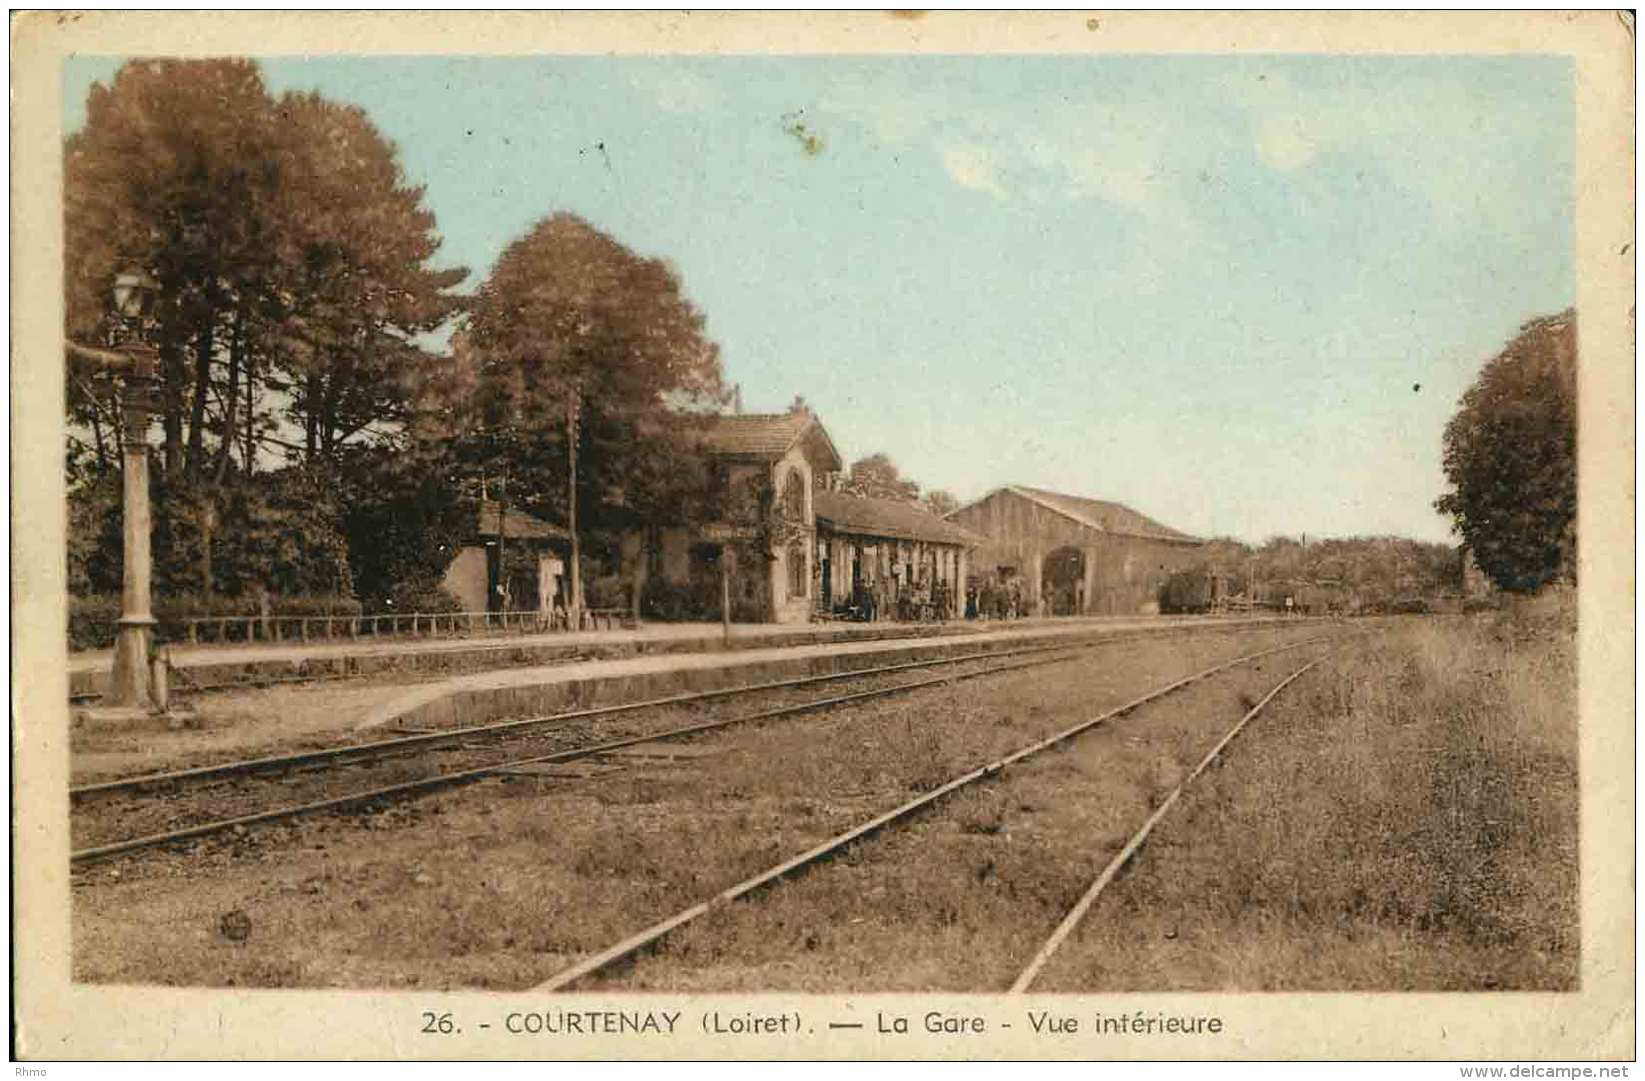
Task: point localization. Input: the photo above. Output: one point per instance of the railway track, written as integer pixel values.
(650, 936)
(190, 804)
(1077, 913)
(185, 683)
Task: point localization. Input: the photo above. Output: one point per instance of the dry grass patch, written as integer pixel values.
(1407, 822)
(959, 899)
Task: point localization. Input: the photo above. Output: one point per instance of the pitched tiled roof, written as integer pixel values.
(769, 435)
(886, 518)
(766, 435)
(518, 525)
(1101, 514)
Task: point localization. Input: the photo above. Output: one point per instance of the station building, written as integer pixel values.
(794, 546)
(812, 549)
(764, 468)
(477, 576)
(1080, 556)
(885, 549)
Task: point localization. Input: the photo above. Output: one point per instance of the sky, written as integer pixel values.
(1241, 295)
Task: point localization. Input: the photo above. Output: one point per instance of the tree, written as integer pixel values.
(877, 477)
(290, 254)
(1510, 458)
(293, 270)
(355, 243)
(575, 338)
(172, 174)
(403, 523)
(941, 502)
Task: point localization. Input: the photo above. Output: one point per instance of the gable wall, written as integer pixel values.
(1123, 574)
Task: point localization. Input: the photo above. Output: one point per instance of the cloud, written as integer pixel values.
(1284, 143)
(898, 121)
(676, 89)
(973, 166)
(1117, 154)
(1113, 151)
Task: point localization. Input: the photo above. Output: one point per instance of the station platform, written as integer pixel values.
(207, 666)
(505, 694)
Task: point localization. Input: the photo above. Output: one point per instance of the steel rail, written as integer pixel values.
(656, 932)
(1083, 905)
(445, 780)
(501, 643)
(386, 747)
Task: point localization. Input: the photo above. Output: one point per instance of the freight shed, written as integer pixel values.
(1075, 555)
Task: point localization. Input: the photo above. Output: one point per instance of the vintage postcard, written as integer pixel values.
(1064, 535)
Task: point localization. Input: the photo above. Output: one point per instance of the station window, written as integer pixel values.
(798, 579)
(794, 496)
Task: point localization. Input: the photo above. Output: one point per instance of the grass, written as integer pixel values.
(1403, 818)
(1406, 821)
(960, 898)
(506, 883)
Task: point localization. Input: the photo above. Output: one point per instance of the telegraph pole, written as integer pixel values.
(725, 592)
(502, 546)
(572, 406)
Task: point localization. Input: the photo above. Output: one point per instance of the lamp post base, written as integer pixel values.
(116, 719)
(130, 685)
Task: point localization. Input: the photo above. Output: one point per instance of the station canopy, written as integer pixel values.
(861, 516)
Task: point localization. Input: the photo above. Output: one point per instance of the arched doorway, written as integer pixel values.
(1062, 581)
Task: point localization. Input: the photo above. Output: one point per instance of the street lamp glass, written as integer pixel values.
(133, 293)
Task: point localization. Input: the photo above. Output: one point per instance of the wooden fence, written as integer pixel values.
(196, 630)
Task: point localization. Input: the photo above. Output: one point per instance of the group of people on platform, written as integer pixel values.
(997, 600)
(899, 599)
(925, 599)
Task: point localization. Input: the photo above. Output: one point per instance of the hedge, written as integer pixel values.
(431, 600)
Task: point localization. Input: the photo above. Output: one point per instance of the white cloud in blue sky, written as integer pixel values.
(1202, 286)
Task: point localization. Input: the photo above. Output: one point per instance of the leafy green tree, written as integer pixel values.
(291, 256)
(1510, 457)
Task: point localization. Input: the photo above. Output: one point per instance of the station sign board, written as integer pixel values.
(725, 532)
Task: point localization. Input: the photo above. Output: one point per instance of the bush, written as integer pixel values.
(609, 591)
(310, 606)
(1186, 591)
(408, 598)
(91, 621)
(680, 601)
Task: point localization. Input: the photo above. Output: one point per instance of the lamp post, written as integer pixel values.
(130, 683)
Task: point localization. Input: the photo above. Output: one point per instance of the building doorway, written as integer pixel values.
(1063, 581)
